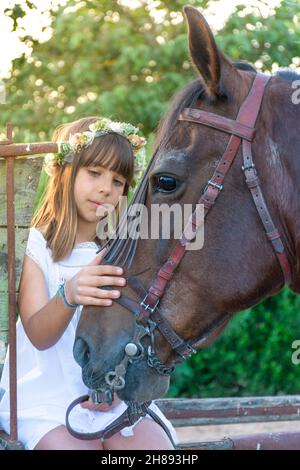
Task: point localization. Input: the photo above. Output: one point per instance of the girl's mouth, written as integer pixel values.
(101, 209)
(96, 204)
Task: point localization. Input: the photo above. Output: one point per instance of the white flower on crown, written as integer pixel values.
(116, 127)
(79, 140)
(49, 162)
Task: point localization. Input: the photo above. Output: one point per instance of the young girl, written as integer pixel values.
(61, 273)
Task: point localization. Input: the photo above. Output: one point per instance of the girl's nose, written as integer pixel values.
(105, 186)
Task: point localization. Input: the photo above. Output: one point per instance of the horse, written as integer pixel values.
(230, 138)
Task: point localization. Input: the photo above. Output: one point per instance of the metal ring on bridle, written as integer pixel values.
(114, 381)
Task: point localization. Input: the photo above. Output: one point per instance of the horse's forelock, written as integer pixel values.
(184, 99)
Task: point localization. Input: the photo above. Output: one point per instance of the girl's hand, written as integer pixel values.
(89, 405)
(83, 288)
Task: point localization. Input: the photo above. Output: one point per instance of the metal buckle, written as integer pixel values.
(188, 354)
(147, 306)
(191, 350)
(248, 167)
(214, 185)
(102, 396)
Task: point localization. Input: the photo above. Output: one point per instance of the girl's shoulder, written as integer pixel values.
(36, 238)
(42, 229)
(36, 248)
(39, 231)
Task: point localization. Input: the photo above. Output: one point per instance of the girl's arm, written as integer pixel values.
(45, 321)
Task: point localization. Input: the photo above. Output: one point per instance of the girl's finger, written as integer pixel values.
(97, 281)
(82, 300)
(88, 405)
(98, 258)
(98, 293)
(104, 269)
(105, 406)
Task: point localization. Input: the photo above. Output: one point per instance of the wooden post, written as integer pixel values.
(10, 151)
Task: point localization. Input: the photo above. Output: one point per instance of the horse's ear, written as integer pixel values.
(212, 65)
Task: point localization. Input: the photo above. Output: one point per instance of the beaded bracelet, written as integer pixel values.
(62, 294)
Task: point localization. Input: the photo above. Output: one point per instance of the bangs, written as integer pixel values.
(111, 151)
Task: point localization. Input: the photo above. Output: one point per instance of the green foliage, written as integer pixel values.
(98, 61)
(104, 58)
(252, 357)
(267, 40)
(119, 62)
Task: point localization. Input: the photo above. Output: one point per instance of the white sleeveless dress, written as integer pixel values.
(48, 381)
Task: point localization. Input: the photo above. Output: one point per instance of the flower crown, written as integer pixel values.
(81, 140)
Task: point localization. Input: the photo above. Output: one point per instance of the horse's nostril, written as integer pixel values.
(81, 352)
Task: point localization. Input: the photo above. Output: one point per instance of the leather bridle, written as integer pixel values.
(146, 311)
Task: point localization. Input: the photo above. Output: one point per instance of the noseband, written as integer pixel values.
(146, 311)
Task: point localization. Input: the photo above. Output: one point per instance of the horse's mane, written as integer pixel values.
(287, 74)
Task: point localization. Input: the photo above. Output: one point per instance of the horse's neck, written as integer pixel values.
(282, 143)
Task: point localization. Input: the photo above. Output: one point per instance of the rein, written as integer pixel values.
(129, 417)
(145, 311)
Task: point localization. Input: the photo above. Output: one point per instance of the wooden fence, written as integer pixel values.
(26, 177)
(18, 183)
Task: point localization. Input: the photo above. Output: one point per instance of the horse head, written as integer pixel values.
(128, 347)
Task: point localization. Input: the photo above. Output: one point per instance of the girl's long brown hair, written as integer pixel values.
(57, 213)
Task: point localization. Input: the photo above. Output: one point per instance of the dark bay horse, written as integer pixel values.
(237, 267)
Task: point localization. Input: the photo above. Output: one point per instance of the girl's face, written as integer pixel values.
(97, 190)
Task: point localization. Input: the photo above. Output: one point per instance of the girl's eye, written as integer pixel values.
(97, 173)
(119, 183)
(165, 183)
(93, 173)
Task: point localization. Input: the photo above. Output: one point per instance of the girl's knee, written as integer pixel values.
(147, 435)
(59, 438)
(156, 436)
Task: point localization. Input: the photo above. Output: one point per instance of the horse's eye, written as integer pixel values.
(165, 183)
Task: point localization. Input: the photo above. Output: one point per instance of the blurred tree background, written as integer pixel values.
(126, 61)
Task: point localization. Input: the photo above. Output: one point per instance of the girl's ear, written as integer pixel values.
(215, 70)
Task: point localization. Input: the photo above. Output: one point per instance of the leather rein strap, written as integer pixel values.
(127, 418)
